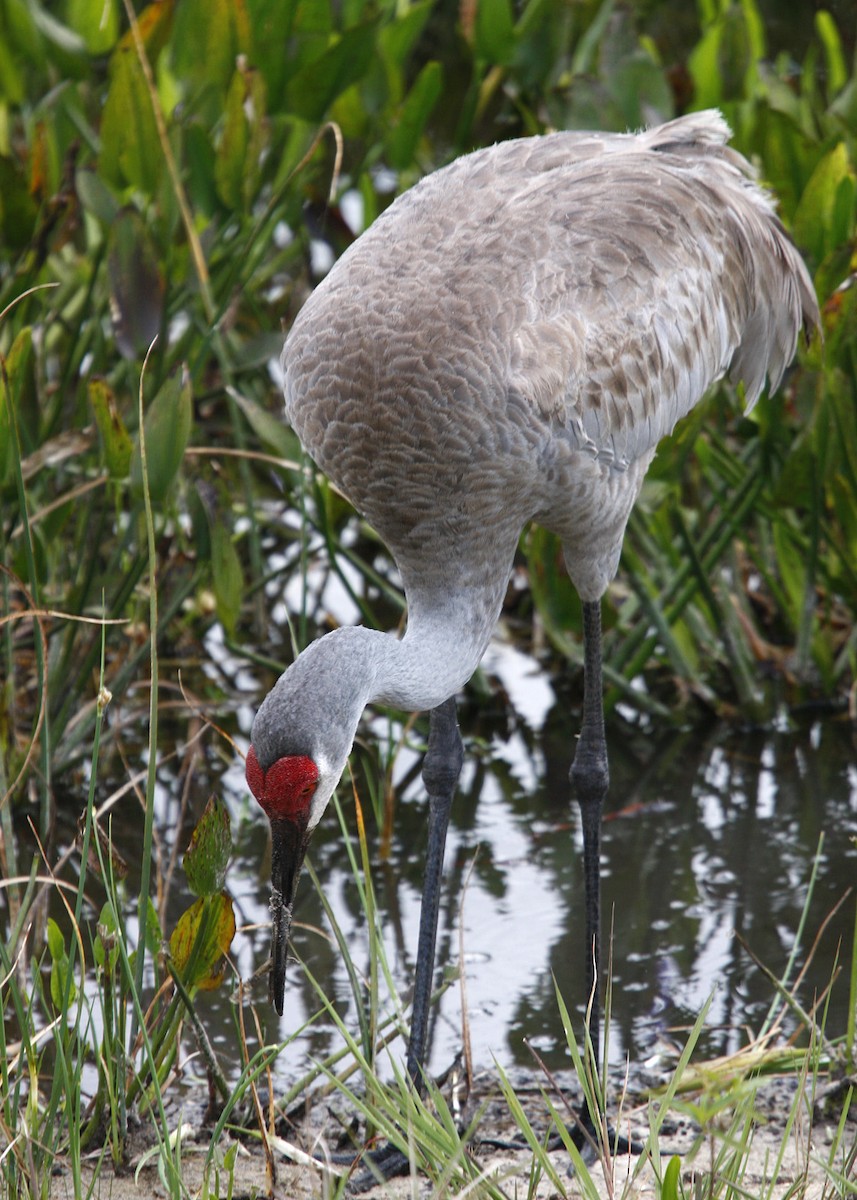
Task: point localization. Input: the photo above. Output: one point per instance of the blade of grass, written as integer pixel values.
(151, 774)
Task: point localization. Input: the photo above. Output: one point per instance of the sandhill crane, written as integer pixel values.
(508, 343)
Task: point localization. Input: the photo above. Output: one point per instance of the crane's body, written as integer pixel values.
(513, 337)
(508, 343)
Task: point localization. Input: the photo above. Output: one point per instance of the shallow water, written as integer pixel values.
(709, 840)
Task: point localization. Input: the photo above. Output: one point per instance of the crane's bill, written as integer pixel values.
(289, 841)
(281, 927)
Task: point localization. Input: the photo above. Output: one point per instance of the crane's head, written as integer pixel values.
(301, 738)
(285, 792)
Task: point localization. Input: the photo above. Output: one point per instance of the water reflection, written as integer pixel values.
(707, 835)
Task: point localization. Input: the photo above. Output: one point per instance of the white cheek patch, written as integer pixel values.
(327, 781)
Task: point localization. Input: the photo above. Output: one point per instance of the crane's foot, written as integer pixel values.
(371, 1168)
(377, 1166)
(583, 1136)
(586, 1139)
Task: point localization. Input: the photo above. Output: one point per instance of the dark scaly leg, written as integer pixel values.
(590, 778)
(441, 768)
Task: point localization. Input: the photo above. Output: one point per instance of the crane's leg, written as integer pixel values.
(589, 778)
(441, 768)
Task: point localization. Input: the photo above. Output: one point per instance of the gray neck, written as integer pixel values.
(315, 706)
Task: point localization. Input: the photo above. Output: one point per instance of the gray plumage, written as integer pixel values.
(509, 342)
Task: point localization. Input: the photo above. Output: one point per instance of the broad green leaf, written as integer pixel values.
(403, 137)
(226, 576)
(232, 149)
(11, 76)
(207, 856)
(114, 436)
(824, 212)
(167, 428)
(97, 22)
(273, 433)
(495, 31)
(200, 940)
(314, 88)
(59, 965)
(136, 284)
(154, 25)
(130, 147)
(837, 71)
(753, 31)
(271, 28)
(669, 1189)
(704, 64)
(238, 164)
(209, 36)
(313, 18)
(56, 943)
(397, 39)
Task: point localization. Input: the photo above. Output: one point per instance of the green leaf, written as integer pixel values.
(316, 85)
(56, 944)
(837, 71)
(209, 36)
(114, 436)
(237, 167)
(97, 22)
(18, 400)
(792, 567)
(825, 212)
(495, 31)
(227, 578)
(704, 64)
(207, 856)
(200, 940)
(669, 1189)
(154, 933)
(270, 431)
(232, 150)
(415, 112)
(167, 428)
(130, 148)
(397, 39)
(59, 965)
